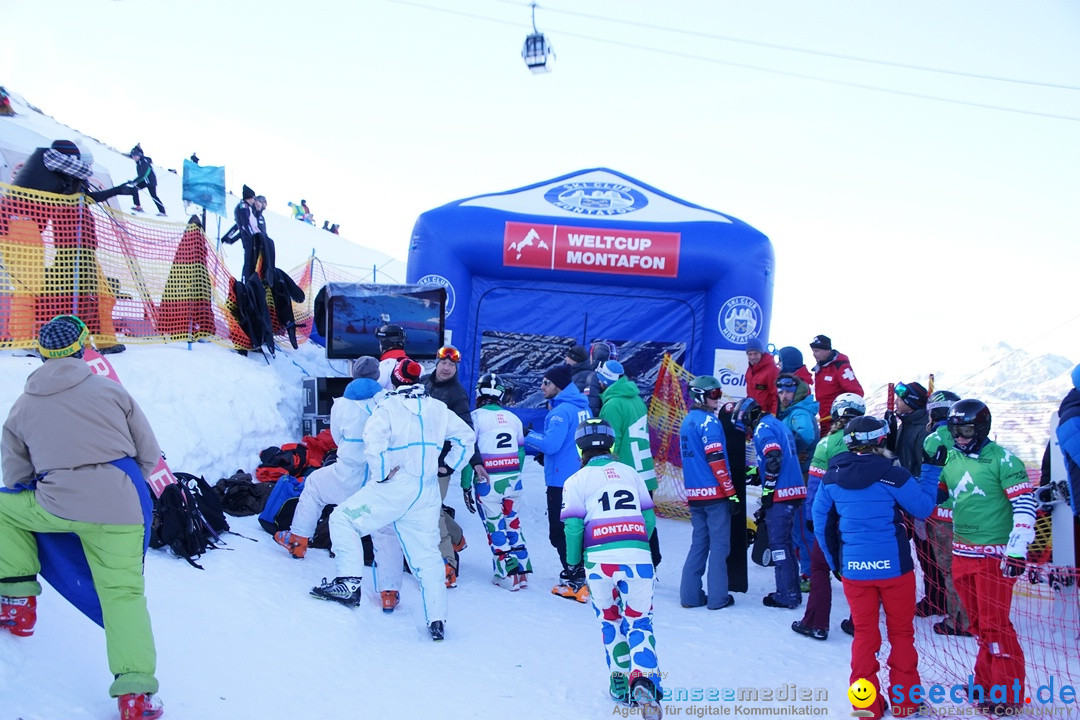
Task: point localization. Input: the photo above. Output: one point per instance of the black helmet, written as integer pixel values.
(594, 433)
(865, 432)
(939, 403)
(491, 387)
(390, 336)
(747, 415)
(703, 385)
(966, 414)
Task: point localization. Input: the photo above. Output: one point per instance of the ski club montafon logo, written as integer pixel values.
(596, 198)
(739, 319)
(440, 281)
(526, 246)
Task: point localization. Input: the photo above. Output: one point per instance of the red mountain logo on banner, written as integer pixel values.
(523, 246)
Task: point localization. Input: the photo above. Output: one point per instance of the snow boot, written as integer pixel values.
(296, 544)
(161, 214)
(389, 600)
(139, 706)
(619, 688)
(771, 601)
(18, 615)
(438, 632)
(643, 693)
(848, 626)
(137, 208)
(810, 632)
(512, 582)
(945, 627)
(345, 590)
(574, 586)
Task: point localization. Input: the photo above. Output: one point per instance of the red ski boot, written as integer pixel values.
(18, 615)
(139, 706)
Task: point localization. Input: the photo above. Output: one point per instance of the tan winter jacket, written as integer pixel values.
(68, 424)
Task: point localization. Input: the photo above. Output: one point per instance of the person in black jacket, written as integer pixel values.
(583, 376)
(144, 178)
(247, 223)
(74, 272)
(907, 443)
(443, 384)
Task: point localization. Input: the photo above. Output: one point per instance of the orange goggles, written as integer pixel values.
(449, 352)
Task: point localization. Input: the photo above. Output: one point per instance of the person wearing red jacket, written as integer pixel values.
(833, 376)
(761, 375)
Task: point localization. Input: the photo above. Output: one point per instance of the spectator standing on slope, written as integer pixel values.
(144, 179)
(569, 408)
(832, 376)
(76, 452)
(761, 374)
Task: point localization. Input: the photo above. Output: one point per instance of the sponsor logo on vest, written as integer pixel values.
(791, 493)
(869, 564)
(503, 463)
(619, 529)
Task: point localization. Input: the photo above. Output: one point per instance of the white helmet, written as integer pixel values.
(848, 405)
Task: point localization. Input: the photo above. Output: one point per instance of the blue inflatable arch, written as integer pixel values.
(594, 256)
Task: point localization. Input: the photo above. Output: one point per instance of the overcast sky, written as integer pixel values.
(916, 164)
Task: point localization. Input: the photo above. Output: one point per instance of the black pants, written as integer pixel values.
(103, 195)
(152, 189)
(556, 529)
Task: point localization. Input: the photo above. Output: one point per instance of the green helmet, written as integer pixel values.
(704, 386)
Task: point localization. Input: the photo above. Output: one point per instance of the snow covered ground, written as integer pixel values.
(243, 639)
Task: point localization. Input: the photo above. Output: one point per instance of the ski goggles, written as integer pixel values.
(962, 431)
(713, 394)
(449, 352)
(905, 393)
(787, 384)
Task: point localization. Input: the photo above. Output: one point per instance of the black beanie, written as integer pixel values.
(559, 376)
(248, 193)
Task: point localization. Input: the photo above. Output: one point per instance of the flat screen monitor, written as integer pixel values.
(354, 311)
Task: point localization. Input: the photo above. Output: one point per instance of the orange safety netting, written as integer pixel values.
(131, 280)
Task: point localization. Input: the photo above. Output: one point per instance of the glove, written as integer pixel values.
(939, 457)
(752, 477)
(1013, 567)
(836, 574)
(766, 499)
(890, 420)
(539, 459)
(470, 503)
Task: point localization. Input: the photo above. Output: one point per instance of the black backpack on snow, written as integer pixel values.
(187, 518)
(240, 496)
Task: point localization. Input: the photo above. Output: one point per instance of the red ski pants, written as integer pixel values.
(987, 597)
(897, 597)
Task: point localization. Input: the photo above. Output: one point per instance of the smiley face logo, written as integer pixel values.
(862, 693)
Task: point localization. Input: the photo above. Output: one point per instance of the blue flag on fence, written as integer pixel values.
(205, 185)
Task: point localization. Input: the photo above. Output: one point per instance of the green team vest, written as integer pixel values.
(981, 488)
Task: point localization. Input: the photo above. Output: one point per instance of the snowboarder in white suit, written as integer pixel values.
(402, 442)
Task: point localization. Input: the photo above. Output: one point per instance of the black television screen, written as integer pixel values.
(355, 311)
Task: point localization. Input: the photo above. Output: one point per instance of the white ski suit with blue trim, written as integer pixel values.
(403, 439)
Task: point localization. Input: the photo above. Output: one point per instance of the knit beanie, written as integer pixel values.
(406, 372)
(248, 193)
(61, 337)
(578, 353)
(755, 345)
(365, 366)
(821, 342)
(913, 394)
(67, 147)
(559, 375)
(609, 372)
